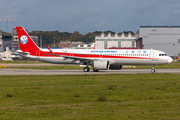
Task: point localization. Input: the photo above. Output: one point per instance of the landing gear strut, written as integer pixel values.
(86, 69)
(153, 69)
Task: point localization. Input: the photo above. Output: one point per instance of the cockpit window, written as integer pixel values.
(162, 55)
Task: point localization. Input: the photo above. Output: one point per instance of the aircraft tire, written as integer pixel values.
(86, 69)
(153, 70)
(94, 70)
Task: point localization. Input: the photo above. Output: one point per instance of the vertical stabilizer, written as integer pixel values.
(25, 41)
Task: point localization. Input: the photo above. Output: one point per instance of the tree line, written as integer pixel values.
(48, 36)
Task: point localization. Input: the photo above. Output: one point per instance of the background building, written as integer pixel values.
(7, 41)
(121, 40)
(64, 44)
(12, 41)
(164, 38)
(1, 42)
(86, 46)
(75, 45)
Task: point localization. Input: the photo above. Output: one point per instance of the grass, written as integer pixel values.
(118, 96)
(22, 62)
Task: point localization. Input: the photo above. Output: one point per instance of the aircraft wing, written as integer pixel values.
(49, 49)
(77, 58)
(81, 59)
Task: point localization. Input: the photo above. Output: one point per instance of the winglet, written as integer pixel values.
(49, 49)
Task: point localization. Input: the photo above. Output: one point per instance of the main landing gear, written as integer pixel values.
(86, 69)
(153, 69)
(94, 70)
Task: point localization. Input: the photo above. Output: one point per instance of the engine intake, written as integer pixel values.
(101, 64)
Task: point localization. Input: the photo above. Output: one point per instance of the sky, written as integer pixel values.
(88, 15)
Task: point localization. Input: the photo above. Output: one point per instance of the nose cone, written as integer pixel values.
(170, 59)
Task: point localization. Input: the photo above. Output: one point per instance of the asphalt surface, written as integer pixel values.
(8, 71)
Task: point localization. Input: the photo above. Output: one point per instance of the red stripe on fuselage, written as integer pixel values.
(80, 55)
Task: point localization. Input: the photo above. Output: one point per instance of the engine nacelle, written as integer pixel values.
(115, 67)
(101, 64)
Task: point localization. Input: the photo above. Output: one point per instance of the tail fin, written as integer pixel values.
(25, 41)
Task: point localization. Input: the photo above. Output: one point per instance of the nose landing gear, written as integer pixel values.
(153, 69)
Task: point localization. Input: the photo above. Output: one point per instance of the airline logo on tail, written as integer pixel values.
(24, 39)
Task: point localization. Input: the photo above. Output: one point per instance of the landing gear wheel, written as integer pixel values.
(86, 69)
(95, 70)
(153, 71)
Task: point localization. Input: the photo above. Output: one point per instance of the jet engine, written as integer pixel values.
(101, 64)
(115, 67)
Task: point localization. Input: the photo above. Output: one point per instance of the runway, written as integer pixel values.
(8, 71)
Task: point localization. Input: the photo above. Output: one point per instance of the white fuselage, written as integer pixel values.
(114, 56)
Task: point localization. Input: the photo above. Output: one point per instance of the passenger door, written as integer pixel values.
(38, 54)
(151, 55)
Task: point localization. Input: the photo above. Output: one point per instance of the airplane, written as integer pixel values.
(7, 55)
(99, 59)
